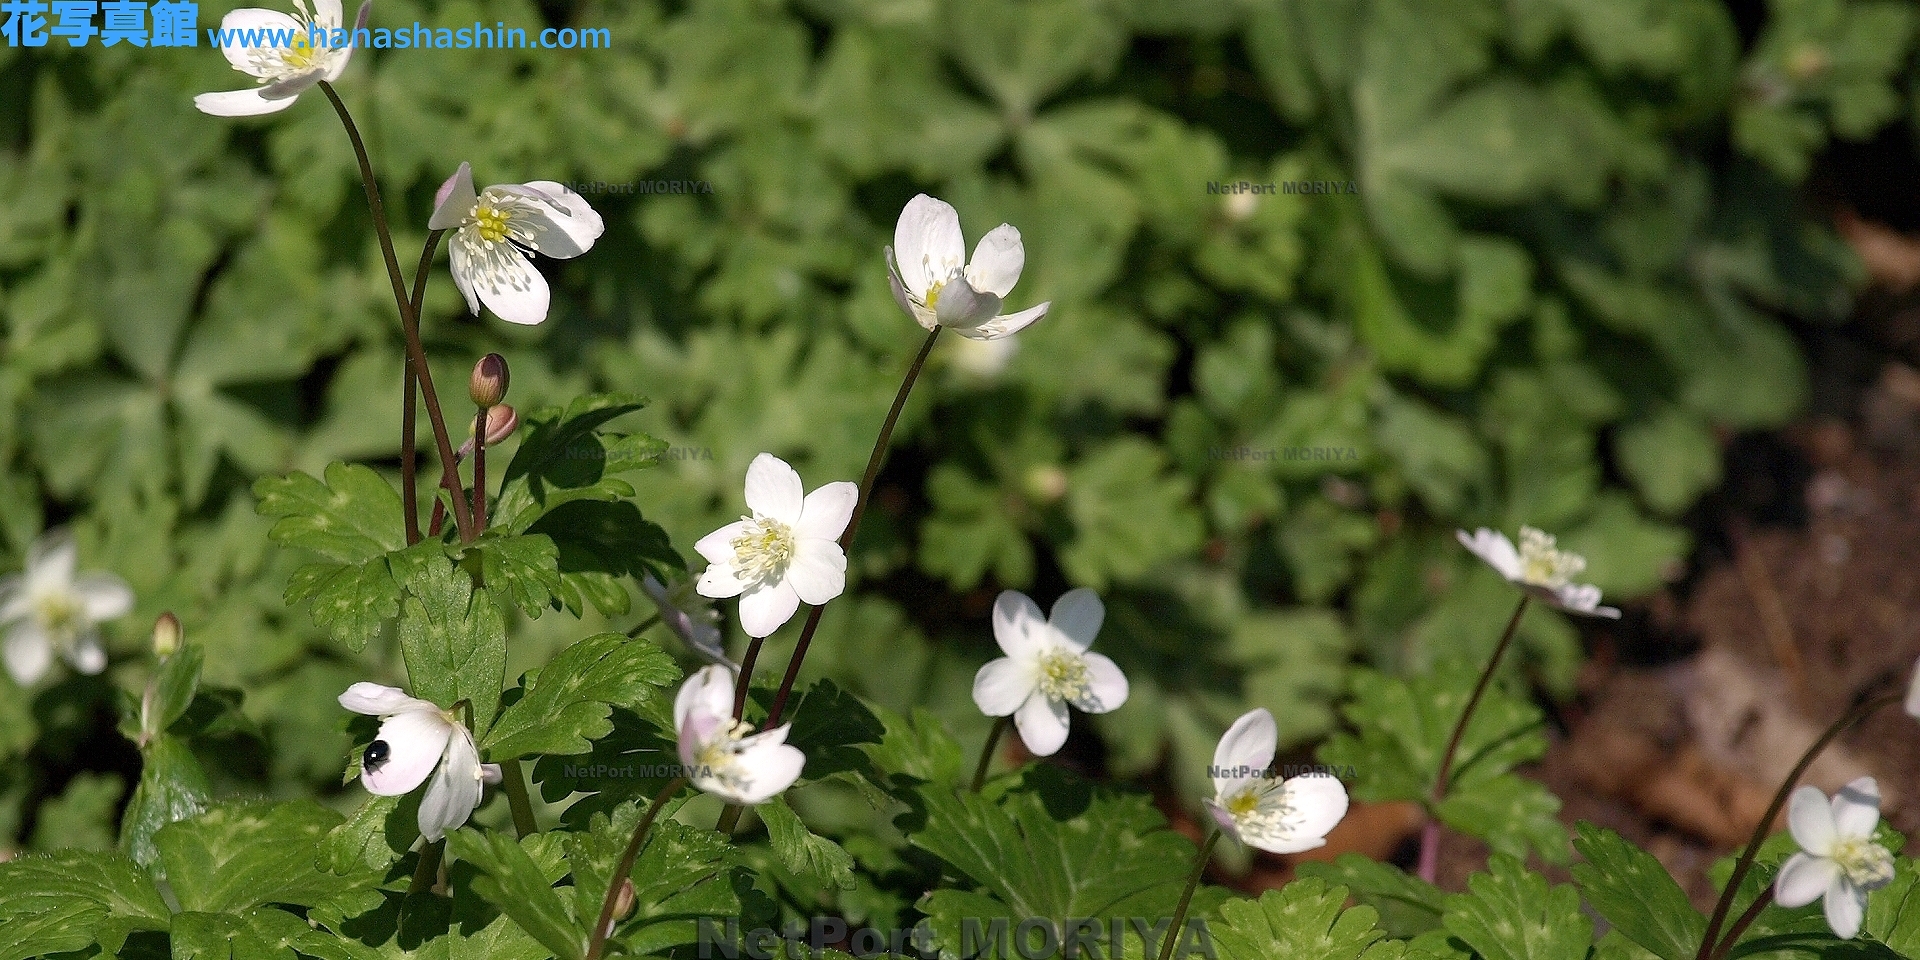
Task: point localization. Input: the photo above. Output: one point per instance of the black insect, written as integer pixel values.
(377, 754)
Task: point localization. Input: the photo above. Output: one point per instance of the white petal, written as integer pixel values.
(375, 700)
(764, 610)
(997, 261)
(454, 200)
(927, 243)
(1493, 547)
(52, 559)
(1803, 879)
(1856, 808)
(1106, 685)
(1016, 625)
(772, 767)
(961, 307)
(1003, 685)
(774, 490)
(719, 582)
(818, 571)
(415, 740)
(1220, 816)
(286, 88)
(87, 655)
(327, 13)
(708, 693)
(103, 595)
(254, 19)
(508, 284)
(1810, 820)
(1913, 687)
(826, 511)
(565, 226)
(1582, 598)
(1247, 745)
(1846, 907)
(458, 258)
(1005, 326)
(1077, 616)
(1042, 724)
(28, 653)
(1318, 803)
(908, 302)
(717, 547)
(15, 603)
(455, 789)
(238, 103)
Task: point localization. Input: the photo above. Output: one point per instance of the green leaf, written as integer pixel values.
(1636, 895)
(831, 726)
(567, 703)
(1510, 914)
(600, 542)
(1052, 847)
(173, 688)
(353, 517)
(564, 458)
(1671, 457)
(682, 873)
(375, 837)
(1304, 920)
(54, 903)
(522, 889)
(242, 855)
(803, 851)
(351, 601)
(82, 817)
(1511, 813)
(916, 749)
(523, 570)
(453, 637)
(1407, 905)
(172, 787)
(1403, 725)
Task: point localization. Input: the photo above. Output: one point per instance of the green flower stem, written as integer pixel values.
(603, 927)
(1186, 896)
(1761, 902)
(409, 412)
(522, 805)
(427, 872)
(1761, 829)
(986, 752)
(730, 817)
(1430, 834)
(409, 321)
(853, 524)
(479, 475)
(643, 626)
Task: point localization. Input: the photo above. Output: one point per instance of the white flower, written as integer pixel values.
(786, 552)
(47, 608)
(721, 754)
(284, 72)
(418, 738)
(491, 228)
(691, 620)
(1538, 568)
(1047, 666)
(1278, 816)
(1841, 862)
(925, 269)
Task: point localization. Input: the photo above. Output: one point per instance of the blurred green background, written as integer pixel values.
(1570, 248)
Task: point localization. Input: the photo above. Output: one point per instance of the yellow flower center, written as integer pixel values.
(1544, 566)
(60, 614)
(1243, 803)
(762, 551)
(1063, 675)
(491, 222)
(1866, 864)
(933, 294)
(715, 761)
(302, 54)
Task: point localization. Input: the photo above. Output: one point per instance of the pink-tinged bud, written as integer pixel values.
(488, 385)
(501, 422)
(166, 635)
(623, 901)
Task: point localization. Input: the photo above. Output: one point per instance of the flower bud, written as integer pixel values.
(501, 422)
(488, 385)
(624, 900)
(166, 635)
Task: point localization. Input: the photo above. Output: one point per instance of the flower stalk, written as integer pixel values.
(1186, 896)
(986, 752)
(603, 927)
(1430, 833)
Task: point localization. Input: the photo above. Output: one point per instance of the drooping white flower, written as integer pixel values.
(693, 621)
(785, 552)
(1539, 568)
(304, 56)
(1275, 815)
(48, 609)
(934, 283)
(1839, 860)
(1047, 667)
(722, 755)
(493, 229)
(417, 739)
